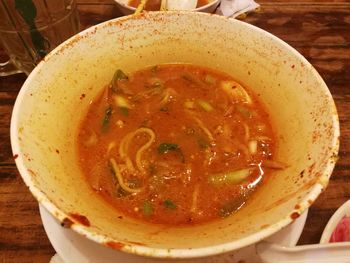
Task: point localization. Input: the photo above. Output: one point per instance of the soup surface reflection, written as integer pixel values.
(176, 144)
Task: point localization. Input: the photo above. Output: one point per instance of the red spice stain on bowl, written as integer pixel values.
(294, 215)
(264, 226)
(31, 172)
(67, 45)
(80, 219)
(136, 243)
(82, 96)
(15, 156)
(67, 223)
(311, 168)
(115, 245)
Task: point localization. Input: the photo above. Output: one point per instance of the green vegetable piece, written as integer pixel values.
(145, 123)
(188, 77)
(209, 79)
(154, 83)
(124, 111)
(190, 131)
(169, 204)
(152, 169)
(202, 143)
(118, 75)
(166, 147)
(194, 80)
(244, 111)
(234, 177)
(232, 206)
(157, 85)
(154, 69)
(106, 118)
(120, 101)
(147, 208)
(120, 193)
(189, 104)
(205, 105)
(164, 109)
(134, 183)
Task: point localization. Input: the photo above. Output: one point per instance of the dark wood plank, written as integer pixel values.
(22, 237)
(9, 88)
(304, 24)
(90, 13)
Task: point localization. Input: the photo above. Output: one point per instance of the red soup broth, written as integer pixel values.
(176, 144)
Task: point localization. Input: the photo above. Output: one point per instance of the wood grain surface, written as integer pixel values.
(320, 30)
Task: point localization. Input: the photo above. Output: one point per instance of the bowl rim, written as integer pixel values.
(180, 253)
(214, 2)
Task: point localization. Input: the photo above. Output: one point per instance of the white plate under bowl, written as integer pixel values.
(70, 245)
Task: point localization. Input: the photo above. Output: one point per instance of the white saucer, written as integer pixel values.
(72, 247)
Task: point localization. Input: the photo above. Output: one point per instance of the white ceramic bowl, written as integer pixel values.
(342, 211)
(57, 93)
(127, 10)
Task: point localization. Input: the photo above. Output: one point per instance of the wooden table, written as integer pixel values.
(319, 30)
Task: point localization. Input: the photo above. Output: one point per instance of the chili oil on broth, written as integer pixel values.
(176, 144)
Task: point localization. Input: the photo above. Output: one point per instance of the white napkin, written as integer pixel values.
(234, 8)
